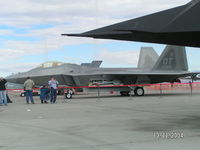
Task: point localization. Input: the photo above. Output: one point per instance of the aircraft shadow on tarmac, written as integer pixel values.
(178, 123)
(179, 120)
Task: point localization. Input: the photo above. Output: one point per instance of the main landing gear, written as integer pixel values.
(138, 91)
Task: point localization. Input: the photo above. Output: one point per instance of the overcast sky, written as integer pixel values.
(30, 32)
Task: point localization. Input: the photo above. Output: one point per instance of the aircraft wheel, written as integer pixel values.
(22, 94)
(124, 93)
(68, 95)
(139, 91)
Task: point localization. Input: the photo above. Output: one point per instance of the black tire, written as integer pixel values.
(139, 91)
(22, 94)
(68, 96)
(124, 93)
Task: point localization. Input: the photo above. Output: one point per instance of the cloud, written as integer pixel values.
(28, 12)
(10, 54)
(16, 68)
(119, 58)
(6, 32)
(24, 36)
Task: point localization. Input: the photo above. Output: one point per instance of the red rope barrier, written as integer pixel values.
(113, 86)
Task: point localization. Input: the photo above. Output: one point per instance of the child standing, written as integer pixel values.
(44, 94)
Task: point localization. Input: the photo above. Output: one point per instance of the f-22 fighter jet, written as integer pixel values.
(171, 65)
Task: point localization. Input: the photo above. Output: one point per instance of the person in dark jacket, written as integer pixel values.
(44, 94)
(28, 87)
(3, 97)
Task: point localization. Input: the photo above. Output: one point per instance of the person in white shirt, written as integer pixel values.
(53, 85)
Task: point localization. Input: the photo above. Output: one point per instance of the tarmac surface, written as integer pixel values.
(152, 122)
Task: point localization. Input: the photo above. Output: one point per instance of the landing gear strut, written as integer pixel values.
(138, 91)
(124, 93)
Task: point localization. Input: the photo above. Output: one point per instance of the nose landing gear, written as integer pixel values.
(139, 91)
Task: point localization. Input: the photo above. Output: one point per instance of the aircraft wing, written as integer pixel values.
(176, 26)
(141, 78)
(140, 73)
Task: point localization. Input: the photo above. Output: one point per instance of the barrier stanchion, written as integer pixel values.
(161, 90)
(98, 91)
(131, 89)
(190, 83)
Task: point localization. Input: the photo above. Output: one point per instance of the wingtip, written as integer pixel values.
(77, 35)
(70, 34)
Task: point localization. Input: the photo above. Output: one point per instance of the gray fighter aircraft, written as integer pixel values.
(176, 26)
(171, 65)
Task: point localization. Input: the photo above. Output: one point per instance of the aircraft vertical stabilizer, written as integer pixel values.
(148, 58)
(93, 64)
(173, 58)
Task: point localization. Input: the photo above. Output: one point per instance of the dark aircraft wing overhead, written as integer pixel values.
(176, 26)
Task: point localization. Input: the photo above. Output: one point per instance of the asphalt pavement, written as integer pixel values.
(151, 122)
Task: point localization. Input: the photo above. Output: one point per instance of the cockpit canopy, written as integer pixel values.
(50, 64)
